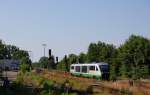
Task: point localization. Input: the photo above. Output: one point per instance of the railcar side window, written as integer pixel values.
(104, 68)
(84, 69)
(72, 67)
(77, 68)
(92, 68)
(96, 69)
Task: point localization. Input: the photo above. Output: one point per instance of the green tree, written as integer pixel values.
(93, 53)
(3, 50)
(62, 65)
(134, 53)
(11, 49)
(123, 70)
(101, 52)
(107, 52)
(25, 64)
(36, 65)
(19, 54)
(43, 62)
(82, 58)
(72, 59)
(65, 63)
(113, 74)
(51, 63)
(144, 71)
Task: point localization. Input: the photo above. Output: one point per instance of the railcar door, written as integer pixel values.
(105, 71)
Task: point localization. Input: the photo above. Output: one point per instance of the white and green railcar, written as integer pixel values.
(91, 70)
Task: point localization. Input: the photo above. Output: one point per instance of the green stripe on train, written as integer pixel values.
(87, 75)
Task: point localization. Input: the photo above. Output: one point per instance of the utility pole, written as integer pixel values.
(44, 46)
(5, 63)
(30, 55)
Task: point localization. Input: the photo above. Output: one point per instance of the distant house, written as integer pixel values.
(9, 64)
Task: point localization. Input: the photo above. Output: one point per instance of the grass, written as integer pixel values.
(138, 88)
(76, 82)
(59, 79)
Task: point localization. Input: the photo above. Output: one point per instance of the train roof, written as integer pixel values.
(100, 63)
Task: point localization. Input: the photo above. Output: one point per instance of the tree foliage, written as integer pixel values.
(51, 63)
(134, 53)
(25, 64)
(130, 60)
(101, 52)
(43, 62)
(13, 52)
(82, 58)
(65, 63)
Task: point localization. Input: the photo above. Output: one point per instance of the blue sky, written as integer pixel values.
(69, 26)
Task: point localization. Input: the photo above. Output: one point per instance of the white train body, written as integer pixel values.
(93, 70)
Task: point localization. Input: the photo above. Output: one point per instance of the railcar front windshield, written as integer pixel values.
(103, 68)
